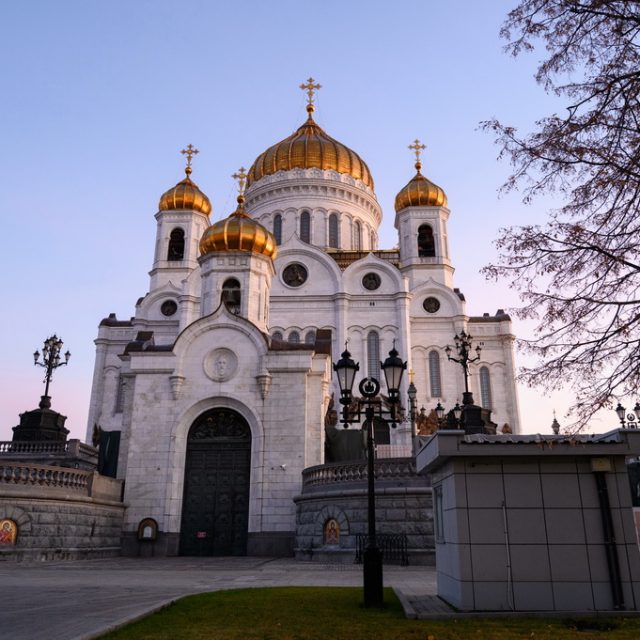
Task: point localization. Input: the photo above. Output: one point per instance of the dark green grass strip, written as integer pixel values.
(310, 613)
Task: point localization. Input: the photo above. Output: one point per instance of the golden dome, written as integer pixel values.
(185, 195)
(309, 148)
(238, 232)
(420, 192)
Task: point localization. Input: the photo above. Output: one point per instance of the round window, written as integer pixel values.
(169, 307)
(431, 304)
(295, 274)
(371, 281)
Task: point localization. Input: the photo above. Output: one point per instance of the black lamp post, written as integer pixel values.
(393, 368)
(464, 359)
(628, 420)
(50, 361)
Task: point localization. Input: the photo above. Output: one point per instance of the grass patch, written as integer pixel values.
(311, 613)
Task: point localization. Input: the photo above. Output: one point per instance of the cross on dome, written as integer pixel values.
(190, 151)
(311, 87)
(417, 147)
(241, 176)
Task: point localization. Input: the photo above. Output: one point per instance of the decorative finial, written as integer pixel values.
(241, 176)
(417, 147)
(190, 151)
(311, 87)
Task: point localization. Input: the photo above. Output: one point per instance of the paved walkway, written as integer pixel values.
(79, 600)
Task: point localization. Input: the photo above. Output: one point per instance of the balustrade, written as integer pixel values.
(45, 475)
(386, 468)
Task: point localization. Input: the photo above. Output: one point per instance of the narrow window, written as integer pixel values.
(310, 338)
(120, 394)
(231, 295)
(277, 335)
(305, 227)
(294, 337)
(373, 355)
(373, 240)
(357, 236)
(485, 387)
(333, 231)
(426, 243)
(277, 228)
(434, 374)
(176, 245)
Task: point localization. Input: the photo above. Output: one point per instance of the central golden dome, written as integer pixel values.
(309, 148)
(238, 232)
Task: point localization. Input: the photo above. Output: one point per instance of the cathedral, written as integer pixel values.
(220, 386)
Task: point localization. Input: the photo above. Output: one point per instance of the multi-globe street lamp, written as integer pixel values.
(50, 361)
(628, 420)
(393, 368)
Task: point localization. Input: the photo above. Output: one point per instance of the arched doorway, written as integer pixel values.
(215, 506)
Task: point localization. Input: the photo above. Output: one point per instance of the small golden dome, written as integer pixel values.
(420, 192)
(185, 195)
(309, 148)
(238, 232)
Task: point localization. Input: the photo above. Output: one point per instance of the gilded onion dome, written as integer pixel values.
(238, 232)
(185, 195)
(420, 192)
(310, 148)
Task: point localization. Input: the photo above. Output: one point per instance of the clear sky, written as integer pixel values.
(99, 97)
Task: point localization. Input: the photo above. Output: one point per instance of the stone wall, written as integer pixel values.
(82, 519)
(339, 491)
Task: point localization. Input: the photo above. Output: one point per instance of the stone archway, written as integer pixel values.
(215, 511)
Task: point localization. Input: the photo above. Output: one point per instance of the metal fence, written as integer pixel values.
(392, 545)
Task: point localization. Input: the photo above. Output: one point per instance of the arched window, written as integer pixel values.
(294, 337)
(373, 240)
(426, 243)
(357, 235)
(435, 384)
(373, 355)
(277, 335)
(231, 294)
(333, 231)
(485, 387)
(305, 227)
(277, 228)
(176, 245)
(310, 338)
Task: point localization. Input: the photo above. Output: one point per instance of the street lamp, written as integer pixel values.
(628, 420)
(393, 368)
(50, 361)
(412, 392)
(463, 350)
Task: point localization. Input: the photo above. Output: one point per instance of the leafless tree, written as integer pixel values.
(579, 273)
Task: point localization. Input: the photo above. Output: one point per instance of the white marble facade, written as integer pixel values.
(184, 352)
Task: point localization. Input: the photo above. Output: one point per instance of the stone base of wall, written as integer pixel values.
(62, 528)
(399, 510)
(271, 543)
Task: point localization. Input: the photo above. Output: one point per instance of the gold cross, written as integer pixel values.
(310, 88)
(241, 176)
(411, 374)
(190, 151)
(417, 147)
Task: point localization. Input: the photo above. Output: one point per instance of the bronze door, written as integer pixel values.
(215, 509)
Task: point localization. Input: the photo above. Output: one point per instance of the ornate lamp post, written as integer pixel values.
(464, 359)
(393, 368)
(50, 361)
(628, 420)
(412, 392)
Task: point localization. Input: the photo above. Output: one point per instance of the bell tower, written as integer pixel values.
(183, 215)
(421, 221)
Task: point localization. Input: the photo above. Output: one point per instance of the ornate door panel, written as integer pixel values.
(215, 508)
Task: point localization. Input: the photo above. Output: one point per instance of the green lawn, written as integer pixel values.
(309, 613)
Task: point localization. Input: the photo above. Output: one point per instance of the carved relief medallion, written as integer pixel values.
(220, 364)
(431, 304)
(371, 281)
(295, 274)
